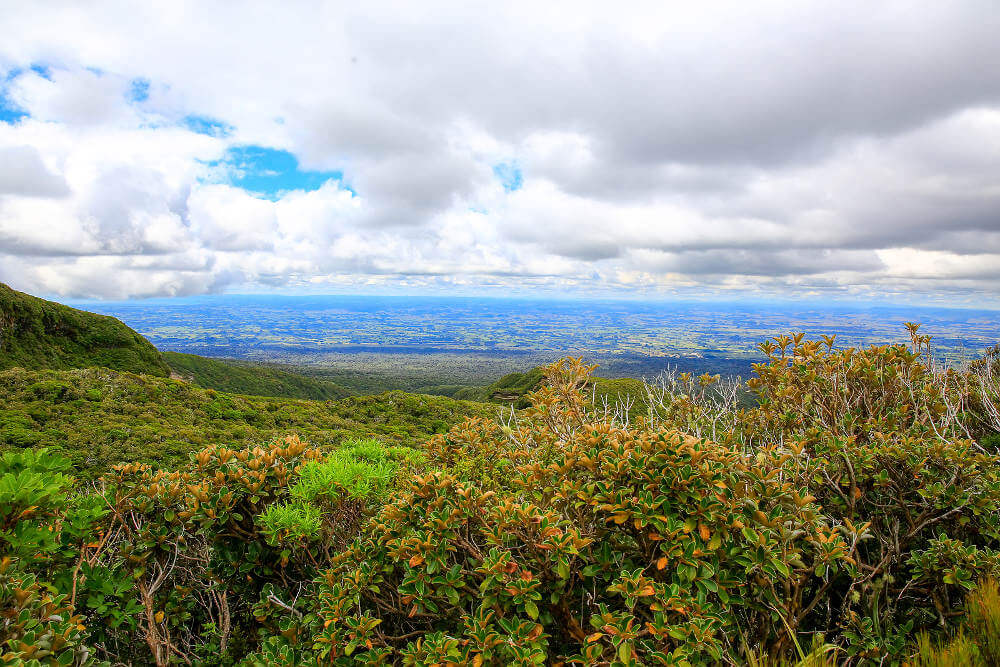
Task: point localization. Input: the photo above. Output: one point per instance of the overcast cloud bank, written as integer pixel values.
(780, 149)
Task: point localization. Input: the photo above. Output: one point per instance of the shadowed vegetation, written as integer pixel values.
(237, 377)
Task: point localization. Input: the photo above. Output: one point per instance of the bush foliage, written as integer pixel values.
(843, 518)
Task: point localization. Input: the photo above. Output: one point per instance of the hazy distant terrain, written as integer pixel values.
(377, 343)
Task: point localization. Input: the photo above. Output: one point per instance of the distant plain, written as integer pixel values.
(431, 344)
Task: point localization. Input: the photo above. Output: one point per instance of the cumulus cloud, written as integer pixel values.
(779, 148)
(75, 96)
(22, 172)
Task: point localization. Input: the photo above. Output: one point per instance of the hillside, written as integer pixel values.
(247, 378)
(99, 417)
(38, 334)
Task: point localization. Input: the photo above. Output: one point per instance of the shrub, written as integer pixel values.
(192, 564)
(39, 628)
(849, 504)
(610, 544)
(40, 530)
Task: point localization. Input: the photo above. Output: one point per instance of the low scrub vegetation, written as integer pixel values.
(97, 417)
(847, 516)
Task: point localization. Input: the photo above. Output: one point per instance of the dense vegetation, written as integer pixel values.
(512, 387)
(845, 517)
(237, 377)
(35, 333)
(98, 417)
(605, 393)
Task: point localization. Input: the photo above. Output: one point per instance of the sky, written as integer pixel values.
(811, 150)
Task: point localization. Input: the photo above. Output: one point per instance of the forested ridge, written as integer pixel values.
(35, 333)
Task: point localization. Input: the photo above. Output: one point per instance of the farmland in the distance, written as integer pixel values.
(375, 343)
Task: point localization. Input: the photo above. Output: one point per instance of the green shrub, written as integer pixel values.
(608, 544)
(191, 564)
(34, 492)
(828, 513)
(39, 628)
(18, 435)
(54, 391)
(290, 523)
(41, 530)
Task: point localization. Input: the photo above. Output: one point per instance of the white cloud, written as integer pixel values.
(800, 146)
(22, 172)
(227, 218)
(76, 97)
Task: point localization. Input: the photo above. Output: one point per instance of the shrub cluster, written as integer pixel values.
(843, 517)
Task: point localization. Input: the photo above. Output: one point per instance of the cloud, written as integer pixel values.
(76, 97)
(780, 148)
(22, 172)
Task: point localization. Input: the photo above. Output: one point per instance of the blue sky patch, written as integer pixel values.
(138, 90)
(9, 113)
(41, 70)
(510, 175)
(212, 127)
(270, 172)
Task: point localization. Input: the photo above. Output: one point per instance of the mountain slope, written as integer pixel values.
(36, 334)
(254, 379)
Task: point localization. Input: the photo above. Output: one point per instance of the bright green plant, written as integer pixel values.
(290, 522)
(359, 474)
